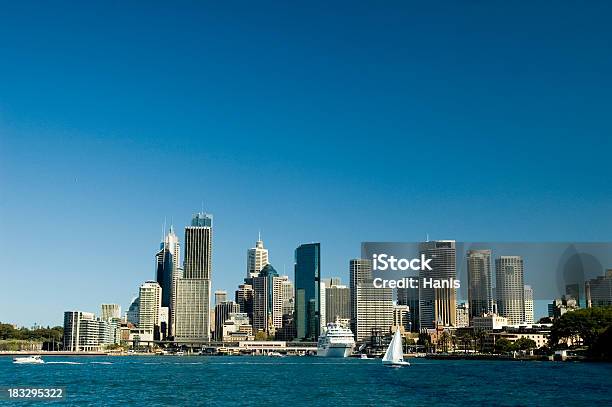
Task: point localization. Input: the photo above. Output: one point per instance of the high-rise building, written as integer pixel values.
(337, 302)
(220, 296)
(222, 313)
(307, 290)
(410, 297)
(510, 288)
(267, 300)
(371, 307)
(528, 295)
(573, 290)
(257, 258)
(331, 281)
(323, 316)
(287, 294)
(463, 315)
(438, 306)
(168, 260)
(360, 271)
(110, 311)
(480, 282)
(244, 297)
(598, 291)
(193, 290)
(374, 310)
(401, 318)
(150, 303)
(133, 313)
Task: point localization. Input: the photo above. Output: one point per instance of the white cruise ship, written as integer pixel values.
(336, 341)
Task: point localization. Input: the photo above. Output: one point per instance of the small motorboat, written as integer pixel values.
(363, 356)
(28, 360)
(276, 355)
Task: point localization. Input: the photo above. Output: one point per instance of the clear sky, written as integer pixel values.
(337, 123)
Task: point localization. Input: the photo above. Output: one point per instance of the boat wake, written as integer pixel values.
(63, 363)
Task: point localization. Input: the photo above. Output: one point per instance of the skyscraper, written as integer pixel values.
(257, 258)
(528, 304)
(337, 302)
(133, 312)
(168, 260)
(360, 270)
(307, 290)
(244, 297)
(598, 291)
(150, 303)
(288, 295)
(220, 296)
(193, 290)
(222, 313)
(438, 306)
(510, 288)
(267, 300)
(110, 311)
(480, 282)
(322, 315)
(371, 307)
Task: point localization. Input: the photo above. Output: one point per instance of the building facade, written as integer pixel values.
(257, 258)
(110, 312)
(438, 306)
(307, 271)
(193, 290)
(480, 282)
(598, 291)
(528, 295)
(149, 310)
(510, 288)
(337, 302)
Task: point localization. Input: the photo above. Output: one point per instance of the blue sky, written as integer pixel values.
(334, 123)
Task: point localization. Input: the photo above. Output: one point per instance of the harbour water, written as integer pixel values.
(308, 381)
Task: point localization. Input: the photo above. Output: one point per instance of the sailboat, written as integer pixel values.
(394, 357)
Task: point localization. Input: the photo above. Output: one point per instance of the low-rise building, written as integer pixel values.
(489, 322)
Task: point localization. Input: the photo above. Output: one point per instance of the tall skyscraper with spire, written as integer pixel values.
(257, 258)
(193, 289)
(168, 260)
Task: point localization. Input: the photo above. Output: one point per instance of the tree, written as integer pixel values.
(424, 341)
(524, 344)
(587, 324)
(602, 347)
(502, 345)
(261, 336)
(444, 340)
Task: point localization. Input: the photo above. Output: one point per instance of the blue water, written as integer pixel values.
(308, 381)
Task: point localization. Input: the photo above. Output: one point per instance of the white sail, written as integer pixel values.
(395, 353)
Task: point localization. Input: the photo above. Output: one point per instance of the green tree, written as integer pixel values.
(524, 344)
(503, 345)
(261, 336)
(587, 324)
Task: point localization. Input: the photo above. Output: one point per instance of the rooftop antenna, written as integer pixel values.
(427, 237)
(202, 207)
(259, 235)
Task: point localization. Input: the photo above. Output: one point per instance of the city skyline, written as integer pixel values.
(105, 130)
